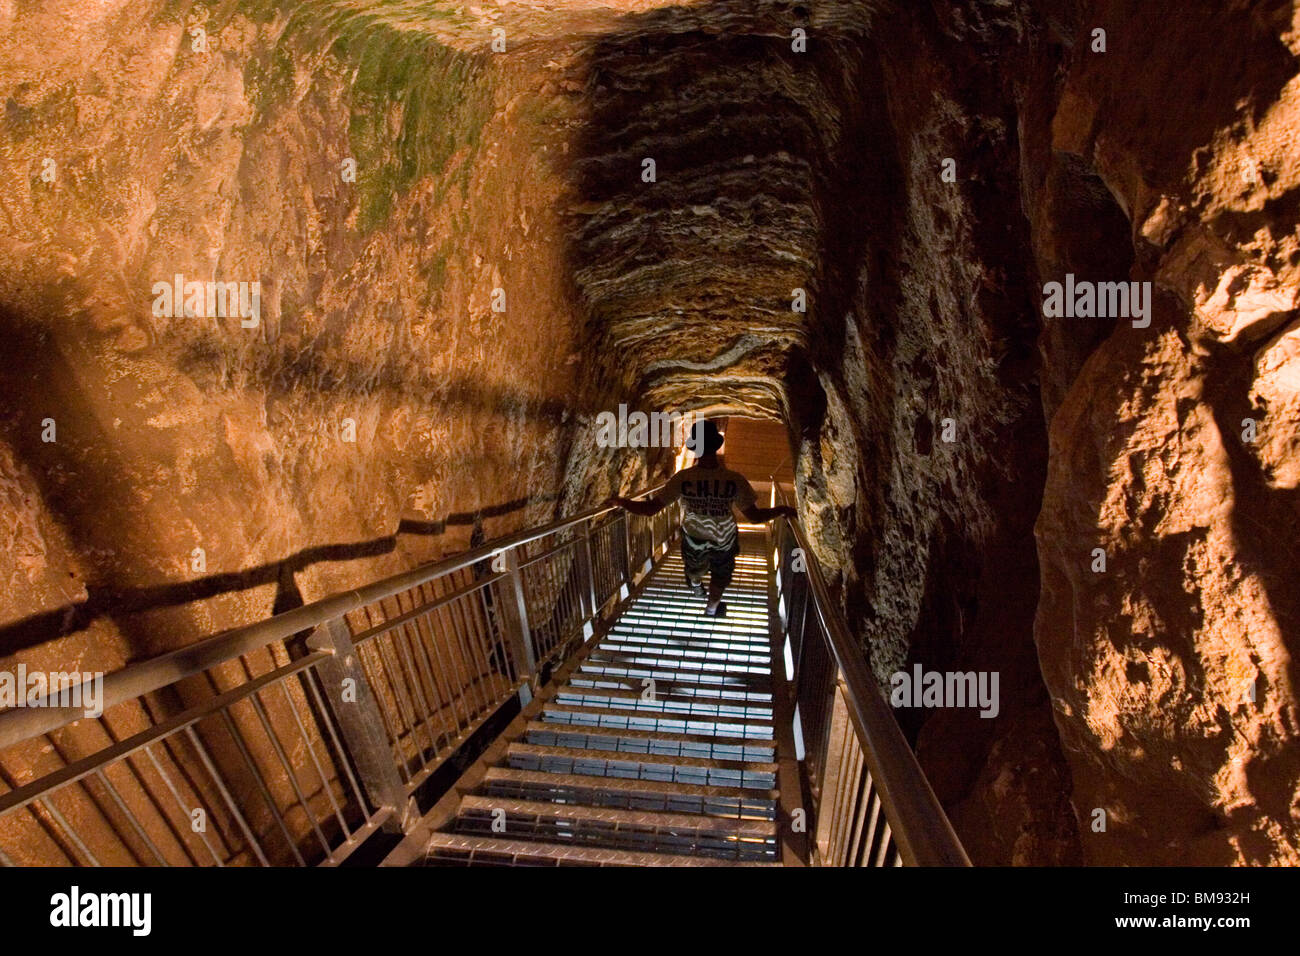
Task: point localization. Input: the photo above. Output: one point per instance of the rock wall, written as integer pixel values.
(379, 412)
(1171, 158)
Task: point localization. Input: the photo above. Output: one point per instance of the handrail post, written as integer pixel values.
(625, 552)
(515, 608)
(587, 591)
(353, 702)
(831, 766)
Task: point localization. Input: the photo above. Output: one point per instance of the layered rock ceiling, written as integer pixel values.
(503, 266)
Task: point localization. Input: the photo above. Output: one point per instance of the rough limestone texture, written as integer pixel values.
(167, 476)
(1174, 447)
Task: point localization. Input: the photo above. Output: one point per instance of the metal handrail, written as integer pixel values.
(920, 827)
(394, 679)
(535, 609)
(135, 680)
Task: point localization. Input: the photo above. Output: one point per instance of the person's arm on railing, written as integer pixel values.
(756, 515)
(647, 507)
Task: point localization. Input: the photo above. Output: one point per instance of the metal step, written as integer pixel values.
(620, 817)
(636, 830)
(593, 716)
(598, 776)
(558, 734)
(671, 690)
(739, 663)
(567, 760)
(667, 703)
(732, 802)
(471, 850)
(599, 661)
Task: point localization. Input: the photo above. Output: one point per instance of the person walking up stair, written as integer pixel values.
(710, 494)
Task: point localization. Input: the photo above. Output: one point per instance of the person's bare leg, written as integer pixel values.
(715, 591)
(715, 594)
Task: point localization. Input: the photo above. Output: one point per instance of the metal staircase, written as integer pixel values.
(660, 747)
(555, 697)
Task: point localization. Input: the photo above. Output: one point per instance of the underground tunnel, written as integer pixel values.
(315, 312)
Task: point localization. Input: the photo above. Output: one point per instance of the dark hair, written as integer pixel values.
(704, 439)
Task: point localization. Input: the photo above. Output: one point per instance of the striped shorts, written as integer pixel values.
(718, 560)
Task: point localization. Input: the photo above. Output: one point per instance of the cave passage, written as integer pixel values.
(318, 316)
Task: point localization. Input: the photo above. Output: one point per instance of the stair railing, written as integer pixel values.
(294, 740)
(871, 803)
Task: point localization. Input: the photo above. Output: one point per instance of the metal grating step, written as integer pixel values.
(750, 666)
(655, 832)
(620, 670)
(556, 734)
(640, 720)
(445, 849)
(731, 802)
(626, 700)
(603, 776)
(668, 691)
(566, 760)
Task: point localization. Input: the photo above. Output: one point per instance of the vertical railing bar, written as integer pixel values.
(130, 816)
(538, 626)
(625, 547)
(464, 673)
(560, 611)
(405, 709)
(564, 596)
(839, 798)
(325, 782)
(875, 835)
(150, 797)
(380, 767)
(220, 784)
(418, 642)
(185, 811)
(551, 598)
(479, 663)
(498, 641)
(475, 635)
(328, 717)
(242, 747)
(861, 790)
(402, 641)
(423, 638)
(472, 693)
(515, 621)
(844, 783)
(436, 640)
(828, 678)
(68, 830)
(888, 837)
(494, 646)
(399, 725)
(589, 579)
(477, 656)
(259, 709)
(410, 680)
(569, 572)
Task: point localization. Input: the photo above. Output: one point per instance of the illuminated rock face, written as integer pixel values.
(1173, 449)
(851, 235)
